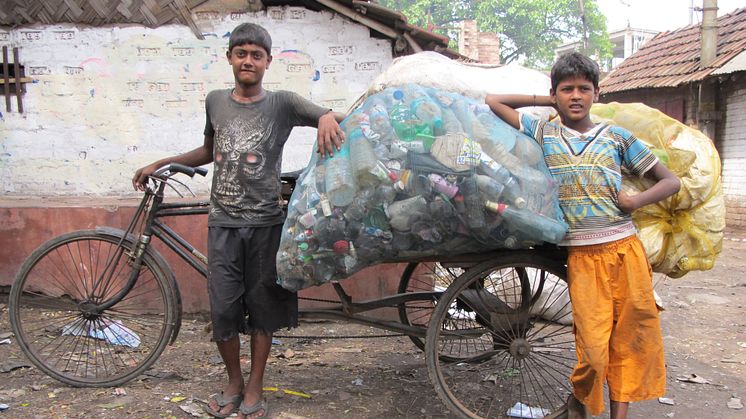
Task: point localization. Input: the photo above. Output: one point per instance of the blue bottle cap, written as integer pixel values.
(398, 94)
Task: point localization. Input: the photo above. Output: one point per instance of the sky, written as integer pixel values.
(659, 15)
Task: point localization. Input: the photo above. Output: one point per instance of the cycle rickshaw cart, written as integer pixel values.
(97, 308)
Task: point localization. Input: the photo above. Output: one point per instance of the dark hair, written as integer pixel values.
(250, 33)
(574, 64)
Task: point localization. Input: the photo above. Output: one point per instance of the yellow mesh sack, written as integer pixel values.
(684, 232)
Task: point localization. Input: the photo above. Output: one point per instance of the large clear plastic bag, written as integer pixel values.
(423, 173)
(685, 232)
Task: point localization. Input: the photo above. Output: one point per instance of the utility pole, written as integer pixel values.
(581, 3)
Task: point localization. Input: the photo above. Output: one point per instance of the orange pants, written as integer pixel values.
(617, 329)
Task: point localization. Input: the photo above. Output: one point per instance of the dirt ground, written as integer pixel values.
(704, 331)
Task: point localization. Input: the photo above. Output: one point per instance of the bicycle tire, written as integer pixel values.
(512, 317)
(75, 347)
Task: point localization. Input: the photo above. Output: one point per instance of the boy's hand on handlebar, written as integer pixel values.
(140, 180)
(330, 135)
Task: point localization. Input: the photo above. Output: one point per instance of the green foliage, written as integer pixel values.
(529, 30)
(440, 16)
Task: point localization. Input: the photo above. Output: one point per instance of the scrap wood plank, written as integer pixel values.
(12, 80)
(18, 76)
(6, 78)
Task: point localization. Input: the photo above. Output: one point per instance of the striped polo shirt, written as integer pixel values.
(588, 170)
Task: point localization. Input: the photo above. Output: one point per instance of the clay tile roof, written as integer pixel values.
(671, 59)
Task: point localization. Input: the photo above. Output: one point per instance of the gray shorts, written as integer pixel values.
(242, 282)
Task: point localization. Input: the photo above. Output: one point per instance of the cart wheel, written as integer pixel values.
(423, 277)
(509, 321)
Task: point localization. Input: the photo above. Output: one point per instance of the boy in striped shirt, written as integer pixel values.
(617, 329)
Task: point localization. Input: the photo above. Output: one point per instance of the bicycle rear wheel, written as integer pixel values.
(50, 309)
(509, 321)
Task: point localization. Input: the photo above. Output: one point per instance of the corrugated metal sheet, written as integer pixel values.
(671, 59)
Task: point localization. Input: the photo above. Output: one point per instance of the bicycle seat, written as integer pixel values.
(290, 176)
(288, 180)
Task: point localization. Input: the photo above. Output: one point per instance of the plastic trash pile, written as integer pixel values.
(423, 172)
(112, 332)
(685, 232)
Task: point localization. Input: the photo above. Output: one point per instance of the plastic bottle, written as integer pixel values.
(356, 210)
(532, 181)
(504, 237)
(362, 158)
(423, 106)
(460, 108)
(451, 124)
(443, 186)
(472, 202)
(495, 170)
(498, 130)
(356, 120)
(401, 212)
(323, 270)
(380, 124)
(339, 179)
(532, 225)
(382, 173)
(402, 119)
(491, 188)
(308, 219)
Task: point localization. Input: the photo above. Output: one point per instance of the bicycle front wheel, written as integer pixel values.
(50, 311)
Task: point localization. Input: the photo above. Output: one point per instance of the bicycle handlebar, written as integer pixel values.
(187, 170)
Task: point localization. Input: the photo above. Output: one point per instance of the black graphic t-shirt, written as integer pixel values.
(248, 142)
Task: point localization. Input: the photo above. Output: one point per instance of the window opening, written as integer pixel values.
(13, 79)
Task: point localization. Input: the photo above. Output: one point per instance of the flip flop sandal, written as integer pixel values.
(222, 401)
(250, 410)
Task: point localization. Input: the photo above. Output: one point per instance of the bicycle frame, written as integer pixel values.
(151, 208)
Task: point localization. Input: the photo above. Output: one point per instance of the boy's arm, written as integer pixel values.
(330, 135)
(504, 106)
(194, 158)
(666, 185)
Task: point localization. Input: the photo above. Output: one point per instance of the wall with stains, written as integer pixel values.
(107, 100)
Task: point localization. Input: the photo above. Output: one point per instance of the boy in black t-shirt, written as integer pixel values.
(244, 135)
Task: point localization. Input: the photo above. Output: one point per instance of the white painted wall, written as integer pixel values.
(107, 100)
(733, 151)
